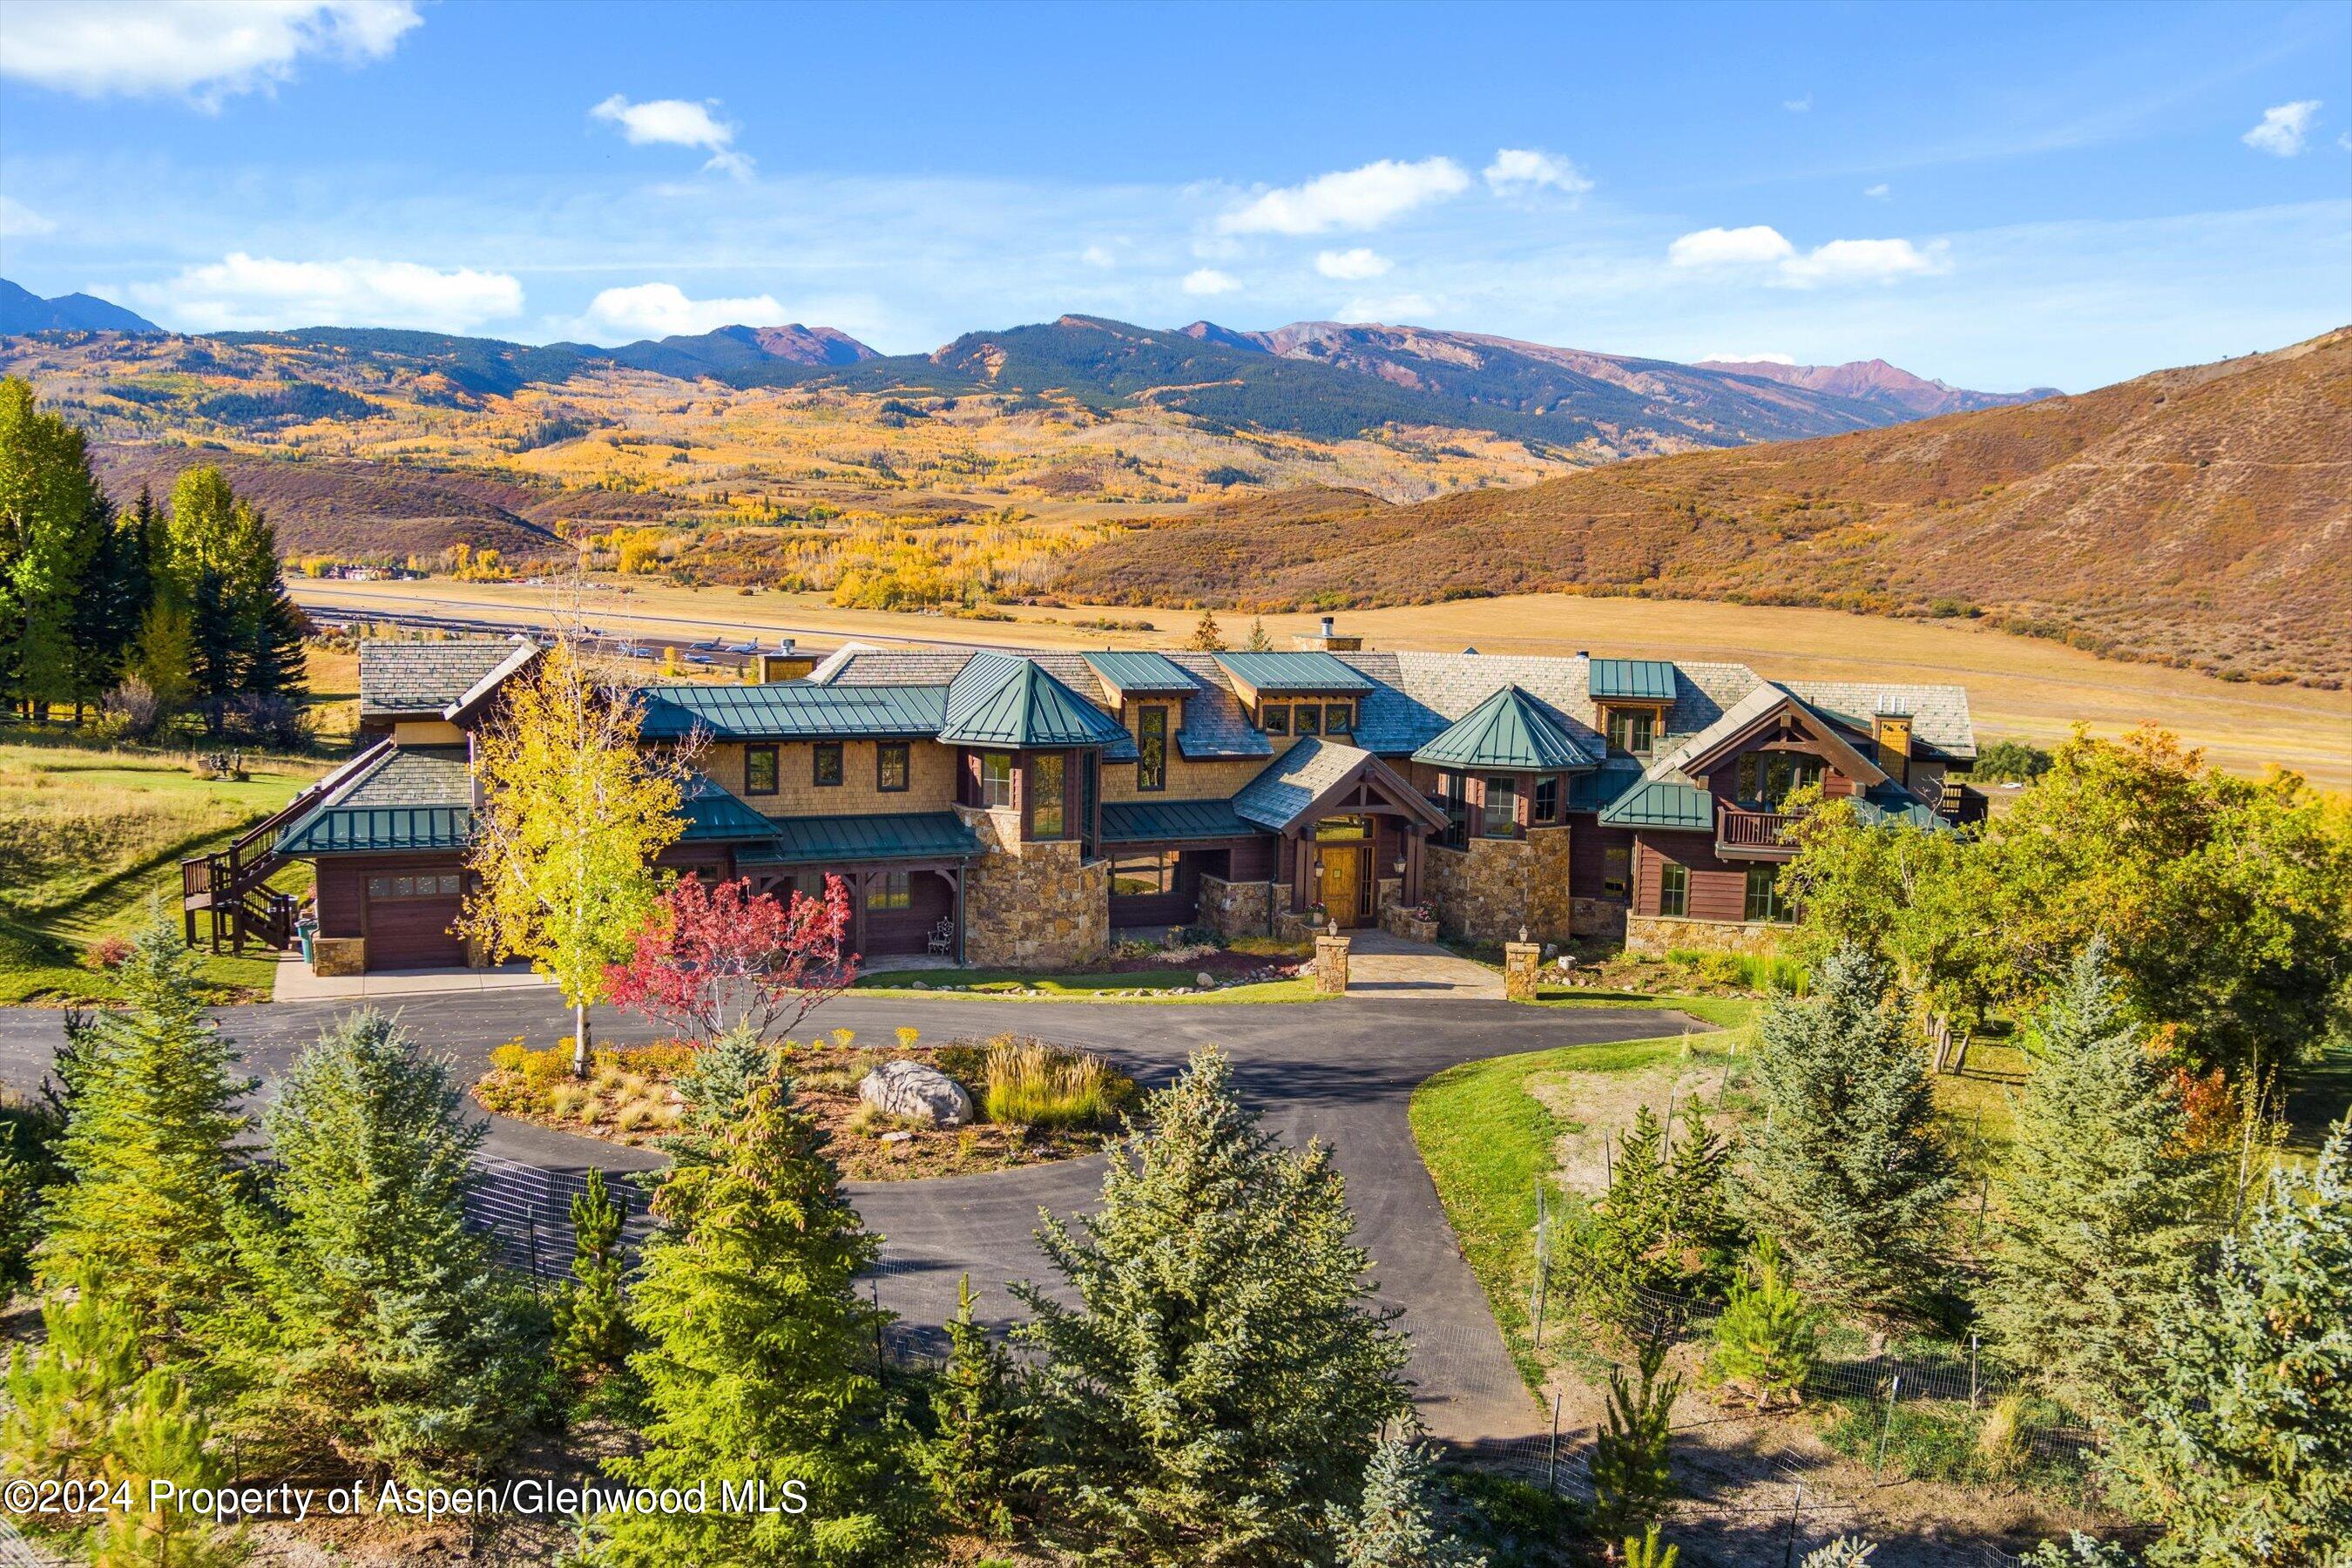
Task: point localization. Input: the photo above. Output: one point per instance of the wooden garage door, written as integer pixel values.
(408, 919)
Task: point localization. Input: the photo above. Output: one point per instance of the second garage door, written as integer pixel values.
(409, 917)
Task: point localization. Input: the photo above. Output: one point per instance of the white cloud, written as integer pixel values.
(1352, 265)
(2283, 128)
(1209, 281)
(249, 292)
(1746, 359)
(1754, 245)
(1098, 256)
(1391, 310)
(1352, 198)
(1518, 169)
(1838, 261)
(203, 50)
(662, 310)
(1879, 193)
(677, 122)
(18, 221)
(1798, 105)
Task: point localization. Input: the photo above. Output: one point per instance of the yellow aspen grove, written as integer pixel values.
(573, 811)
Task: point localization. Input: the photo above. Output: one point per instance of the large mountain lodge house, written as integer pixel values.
(1021, 807)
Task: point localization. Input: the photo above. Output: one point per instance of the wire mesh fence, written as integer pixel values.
(526, 1213)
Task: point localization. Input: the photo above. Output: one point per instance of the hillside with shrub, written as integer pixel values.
(2200, 517)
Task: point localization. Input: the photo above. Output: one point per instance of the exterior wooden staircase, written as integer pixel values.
(229, 887)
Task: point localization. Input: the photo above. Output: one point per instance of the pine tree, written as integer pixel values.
(109, 605)
(150, 1150)
(1632, 1477)
(1845, 1552)
(381, 1330)
(1207, 638)
(976, 1453)
(1848, 1171)
(1258, 641)
(1218, 1389)
(1400, 1523)
(2242, 1448)
(758, 1362)
(592, 1325)
(1646, 1551)
(52, 517)
(156, 1437)
(1766, 1334)
(2099, 1203)
(63, 1393)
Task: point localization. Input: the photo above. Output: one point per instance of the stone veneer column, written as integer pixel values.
(1332, 963)
(1519, 961)
(1038, 904)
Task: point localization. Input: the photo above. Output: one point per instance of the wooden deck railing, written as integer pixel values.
(1738, 829)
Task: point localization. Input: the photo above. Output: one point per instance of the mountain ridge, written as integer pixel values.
(22, 310)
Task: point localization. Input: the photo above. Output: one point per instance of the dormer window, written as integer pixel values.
(1339, 718)
(1275, 717)
(1150, 749)
(1308, 719)
(1631, 729)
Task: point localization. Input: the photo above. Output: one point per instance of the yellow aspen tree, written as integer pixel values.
(574, 811)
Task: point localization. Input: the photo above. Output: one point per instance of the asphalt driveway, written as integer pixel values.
(1341, 1071)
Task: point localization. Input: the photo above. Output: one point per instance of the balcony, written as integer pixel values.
(1744, 835)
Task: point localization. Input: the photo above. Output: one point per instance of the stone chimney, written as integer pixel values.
(1327, 640)
(783, 664)
(1892, 731)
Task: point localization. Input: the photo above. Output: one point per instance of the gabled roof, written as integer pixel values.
(1290, 788)
(1000, 700)
(792, 710)
(417, 680)
(1509, 729)
(847, 840)
(1694, 755)
(1171, 821)
(1939, 714)
(1661, 803)
(1141, 674)
(525, 652)
(1309, 672)
(711, 812)
(1633, 679)
(412, 797)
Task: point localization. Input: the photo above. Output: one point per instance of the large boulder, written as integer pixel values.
(910, 1089)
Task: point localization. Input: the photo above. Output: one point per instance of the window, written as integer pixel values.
(1765, 899)
(1339, 718)
(1151, 747)
(1631, 729)
(1673, 889)
(1767, 778)
(1309, 719)
(1500, 818)
(448, 885)
(1548, 800)
(1046, 794)
(760, 770)
(1450, 797)
(827, 766)
(891, 766)
(1616, 866)
(996, 779)
(1140, 875)
(1273, 718)
(890, 891)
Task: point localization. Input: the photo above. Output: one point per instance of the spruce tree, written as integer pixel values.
(1207, 637)
(1848, 1170)
(1631, 1475)
(592, 1325)
(380, 1329)
(975, 1453)
(150, 1150)
(2100, 1203)
(1400, 1523)
(1651, 1235)
(758, 1362)
(715, 1089)
(2242, 1448)
(52, 517)
(1258, 641)
(1223, 1379)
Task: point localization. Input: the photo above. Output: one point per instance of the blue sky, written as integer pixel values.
(1999, 195)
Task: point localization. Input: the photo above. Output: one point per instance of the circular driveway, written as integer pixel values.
(1340, 1071)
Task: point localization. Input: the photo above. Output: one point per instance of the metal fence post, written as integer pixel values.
(1551, 1464)
(1972, 1369)
(1893, 1390)
(1789, 1552)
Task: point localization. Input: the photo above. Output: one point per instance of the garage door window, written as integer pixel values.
(447, 885)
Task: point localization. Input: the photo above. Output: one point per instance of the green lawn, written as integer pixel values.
(1723, 1012)
(1025, 985)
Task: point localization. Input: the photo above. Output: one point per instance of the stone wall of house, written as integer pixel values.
(1488, 889)
(1039, 904)
(1664, 933)
(1602, 919)
(1234, 908)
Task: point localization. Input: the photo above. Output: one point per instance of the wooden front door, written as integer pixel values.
(1342, 874)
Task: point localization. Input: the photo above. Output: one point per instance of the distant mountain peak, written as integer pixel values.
(1209, 333)
(22, 310)
(1876, 381)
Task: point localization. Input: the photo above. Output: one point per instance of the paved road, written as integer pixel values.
(1341, 1071)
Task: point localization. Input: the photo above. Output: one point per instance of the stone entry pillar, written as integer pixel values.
(1330, 963)
(1520, 959)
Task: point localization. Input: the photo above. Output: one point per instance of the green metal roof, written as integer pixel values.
(1000, 700)
(711, 812)
(336, 830)
(792, 710)
(1661, 803)
(1170, 821)
(1592, 791)
(1142, 674)
(849, 840)
(1311, 671)
(1639, 679)
(1509, 729)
